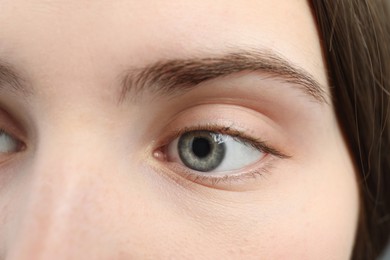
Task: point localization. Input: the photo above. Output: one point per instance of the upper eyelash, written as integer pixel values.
(237, 135)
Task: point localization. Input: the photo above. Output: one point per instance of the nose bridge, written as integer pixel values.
(71, 180)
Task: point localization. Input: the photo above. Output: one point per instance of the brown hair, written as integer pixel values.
(356, 43)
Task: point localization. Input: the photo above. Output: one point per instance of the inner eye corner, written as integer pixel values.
(159, 154)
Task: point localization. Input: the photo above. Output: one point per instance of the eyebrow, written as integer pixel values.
(177, 75)
(10, 79)
(172, 76)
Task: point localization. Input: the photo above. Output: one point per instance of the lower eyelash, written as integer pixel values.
(228, 179)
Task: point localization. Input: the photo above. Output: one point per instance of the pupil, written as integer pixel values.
(201, 147)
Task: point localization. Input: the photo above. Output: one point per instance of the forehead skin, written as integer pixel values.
(82, 38)
(72, 53)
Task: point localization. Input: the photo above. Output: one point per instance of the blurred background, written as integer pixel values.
(387, 254)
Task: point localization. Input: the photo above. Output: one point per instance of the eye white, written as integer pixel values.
(238, 155)
(7, 143)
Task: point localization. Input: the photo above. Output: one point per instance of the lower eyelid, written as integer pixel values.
(228, 180)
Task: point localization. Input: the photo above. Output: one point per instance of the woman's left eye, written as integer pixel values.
(207, 151)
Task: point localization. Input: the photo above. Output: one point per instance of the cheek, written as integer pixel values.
(306, 211)
(324, 220)
(300, 223)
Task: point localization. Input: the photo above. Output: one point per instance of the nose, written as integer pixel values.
(74, 202)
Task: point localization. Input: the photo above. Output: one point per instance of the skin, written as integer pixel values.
(93, 181)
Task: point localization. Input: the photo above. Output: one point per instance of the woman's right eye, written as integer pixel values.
(9, 144)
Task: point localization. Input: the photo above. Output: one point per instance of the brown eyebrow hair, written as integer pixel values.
(168, 77)
(11, 79)
(177, 75)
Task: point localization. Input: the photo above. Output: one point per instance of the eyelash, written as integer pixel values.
(237, 135)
